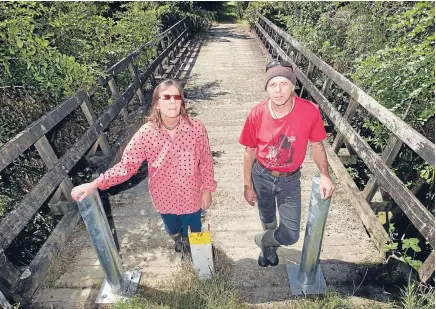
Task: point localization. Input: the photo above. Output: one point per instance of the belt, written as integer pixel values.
(279, 174)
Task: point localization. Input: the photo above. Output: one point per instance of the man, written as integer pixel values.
(275, 135)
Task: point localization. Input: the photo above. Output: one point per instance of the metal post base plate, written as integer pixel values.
(297, 288)
(106, 296)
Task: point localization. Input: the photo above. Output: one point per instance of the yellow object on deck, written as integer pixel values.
(201, 238)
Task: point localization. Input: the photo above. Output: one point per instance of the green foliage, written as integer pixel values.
(406, 248)
(129, 29)
(413, 297)
(240, 8)
(172, 11)
(187, 291)
(79, 29)
(27, 56)
(401, 74)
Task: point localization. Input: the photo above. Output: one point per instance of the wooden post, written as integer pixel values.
(389, 154)
(427, 268)
(159, 68)
(171, 53)
(162, 44)
(49, 157)
(134, 74)
(349, 113)
(297, 58)
(153, 80)
(91, 117)
(325, 91)
(326, 87)
(308, 73)
(115, 95)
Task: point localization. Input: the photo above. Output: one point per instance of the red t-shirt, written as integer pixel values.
(281, 144)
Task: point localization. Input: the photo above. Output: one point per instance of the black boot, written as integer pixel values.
(262, 260)
(269, 245)
(178, 242)
(186, 250)
(271, 256)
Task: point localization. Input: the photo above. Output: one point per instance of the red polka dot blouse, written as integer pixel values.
(179, 169)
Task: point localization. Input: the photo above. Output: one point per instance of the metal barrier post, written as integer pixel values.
(117, 284)
(4, 304)
(307, 278)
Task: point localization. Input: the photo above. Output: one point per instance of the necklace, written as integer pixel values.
(275, 115)
(170, 128)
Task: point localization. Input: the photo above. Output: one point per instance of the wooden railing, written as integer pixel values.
(169, 46)
(280, 45)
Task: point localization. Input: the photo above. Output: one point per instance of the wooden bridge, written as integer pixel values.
(223, 75)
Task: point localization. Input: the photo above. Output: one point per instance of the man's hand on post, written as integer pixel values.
(326, 187)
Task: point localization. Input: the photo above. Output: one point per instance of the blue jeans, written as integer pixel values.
(179, 223)
(283, 193)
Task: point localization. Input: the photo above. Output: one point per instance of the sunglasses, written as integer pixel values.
(169, 96)
(275, 63)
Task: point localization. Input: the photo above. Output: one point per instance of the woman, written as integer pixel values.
(180, 164)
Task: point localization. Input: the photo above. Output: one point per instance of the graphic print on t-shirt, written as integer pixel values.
(281, 152)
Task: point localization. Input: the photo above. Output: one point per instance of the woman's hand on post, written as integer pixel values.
(206, 200)
(250, 195)
(80, 192)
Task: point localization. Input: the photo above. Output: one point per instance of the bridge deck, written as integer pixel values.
(224, 80)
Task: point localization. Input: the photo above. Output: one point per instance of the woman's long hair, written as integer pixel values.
(154, 116)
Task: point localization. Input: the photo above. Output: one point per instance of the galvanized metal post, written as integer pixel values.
(307, 278)
(117, 283)
(4, 302)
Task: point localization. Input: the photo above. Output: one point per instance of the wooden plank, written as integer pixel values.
(427, 268)
(326, 87)
(134, 74)
(26, 138)
(91, 117)
(56, 197)
(50, 158)
(361, 206)
(308, 73)
(17, 219)
(389, 154)
(349, 113)
(47, 255)
(115, 95)
(417, 142)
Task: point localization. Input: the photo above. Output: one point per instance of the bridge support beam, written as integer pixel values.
(117, 284)
(307, 278)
